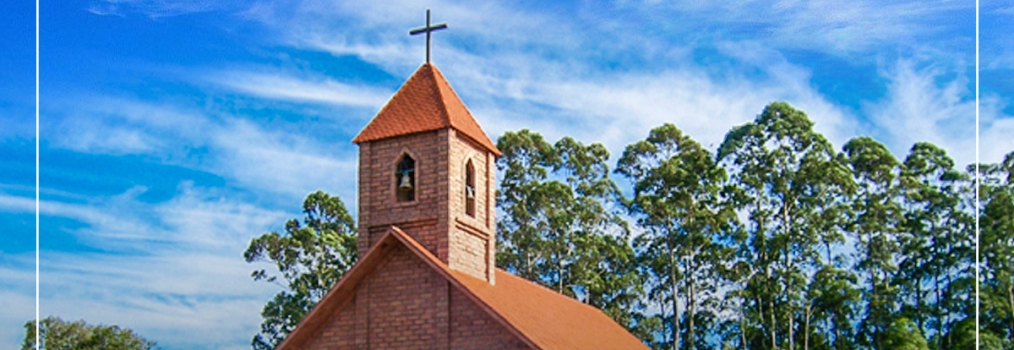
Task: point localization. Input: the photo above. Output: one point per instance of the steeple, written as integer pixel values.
(427, 167)
(425, 102)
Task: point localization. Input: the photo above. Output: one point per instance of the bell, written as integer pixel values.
(406, 182)
(470, 192)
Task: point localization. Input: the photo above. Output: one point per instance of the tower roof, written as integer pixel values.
(426, 102)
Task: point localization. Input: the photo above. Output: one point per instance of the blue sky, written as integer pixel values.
(172, 132)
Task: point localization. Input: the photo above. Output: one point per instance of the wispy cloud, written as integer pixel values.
(996, 129)
(17, 296)
(189, 300)
(279, 161)
(918, 107)
(172, 271)
(283, 87)
(155, 9)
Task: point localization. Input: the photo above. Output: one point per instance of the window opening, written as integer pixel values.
(404, 179)
(470, 189)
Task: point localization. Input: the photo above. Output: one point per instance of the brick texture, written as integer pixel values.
(408, 305)
(437, 217)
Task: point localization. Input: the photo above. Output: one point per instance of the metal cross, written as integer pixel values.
(428, 29)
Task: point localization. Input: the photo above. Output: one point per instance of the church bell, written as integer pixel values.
(406, 182)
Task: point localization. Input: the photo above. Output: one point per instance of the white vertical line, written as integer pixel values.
(977, 180)
(37, 336)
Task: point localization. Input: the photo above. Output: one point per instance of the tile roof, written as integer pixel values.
(538, 316)
(426, 102)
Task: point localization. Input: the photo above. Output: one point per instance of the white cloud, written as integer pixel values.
(172, 271)
(279, 161)
(154, 9)
(278, 86)
(922, 104)
(188, 300)
(17, 297)
(996, 129)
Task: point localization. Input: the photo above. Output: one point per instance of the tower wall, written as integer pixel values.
(437, 217)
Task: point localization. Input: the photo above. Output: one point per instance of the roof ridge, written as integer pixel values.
(437, 77)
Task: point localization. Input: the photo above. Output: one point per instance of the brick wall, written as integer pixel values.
(405, 304)
(472, 239)
(438, 211)
(338, 333)
(378, 207)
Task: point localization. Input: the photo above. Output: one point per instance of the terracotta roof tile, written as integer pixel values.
(538, 316)
(547, 318)
(426, 102)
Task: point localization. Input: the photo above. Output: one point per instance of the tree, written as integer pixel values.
(525, 164)
(677, 189)
(785, 174)
(875, 219)
(56, 334)
(996, 244)
(310, 258)
(934, 271)
(558, 229)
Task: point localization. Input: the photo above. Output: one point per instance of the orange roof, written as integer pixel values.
(425, 103)
(538, 316)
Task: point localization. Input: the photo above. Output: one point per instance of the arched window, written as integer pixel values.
(470, 189)
(404, 179)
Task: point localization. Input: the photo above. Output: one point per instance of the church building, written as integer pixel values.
(426, 276)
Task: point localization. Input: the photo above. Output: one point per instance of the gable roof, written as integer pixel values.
(540, 317)
(426, 102)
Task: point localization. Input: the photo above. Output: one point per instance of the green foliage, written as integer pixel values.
(558, 228)
(677, 201)
(310, 258)
(997, 247)
(936, 241)
(874, 218)
(57, 334)
(786, 179)
(837, 250)
(903, 335)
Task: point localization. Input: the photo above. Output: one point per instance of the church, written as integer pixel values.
(426, 276)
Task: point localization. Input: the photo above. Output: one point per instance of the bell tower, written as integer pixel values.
(426, 166)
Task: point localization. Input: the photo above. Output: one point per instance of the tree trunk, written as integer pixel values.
(806, 327)
(792, 324)
(742, 326)
(691, 337)
(675, 304)
(939, 316)
(788, 269)
(771, 314)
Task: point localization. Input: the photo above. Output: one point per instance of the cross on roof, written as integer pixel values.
(428, 29)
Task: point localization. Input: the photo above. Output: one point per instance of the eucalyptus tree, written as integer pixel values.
(524, 164)
(786, 174)
(560, 228)
(875, 220)
(310, 258)
(996, 244)
(936, 243)
(588, 240)
(677, 199)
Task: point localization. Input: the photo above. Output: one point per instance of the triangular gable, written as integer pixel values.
(342, 293)
(426, 102)
(539, 317)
